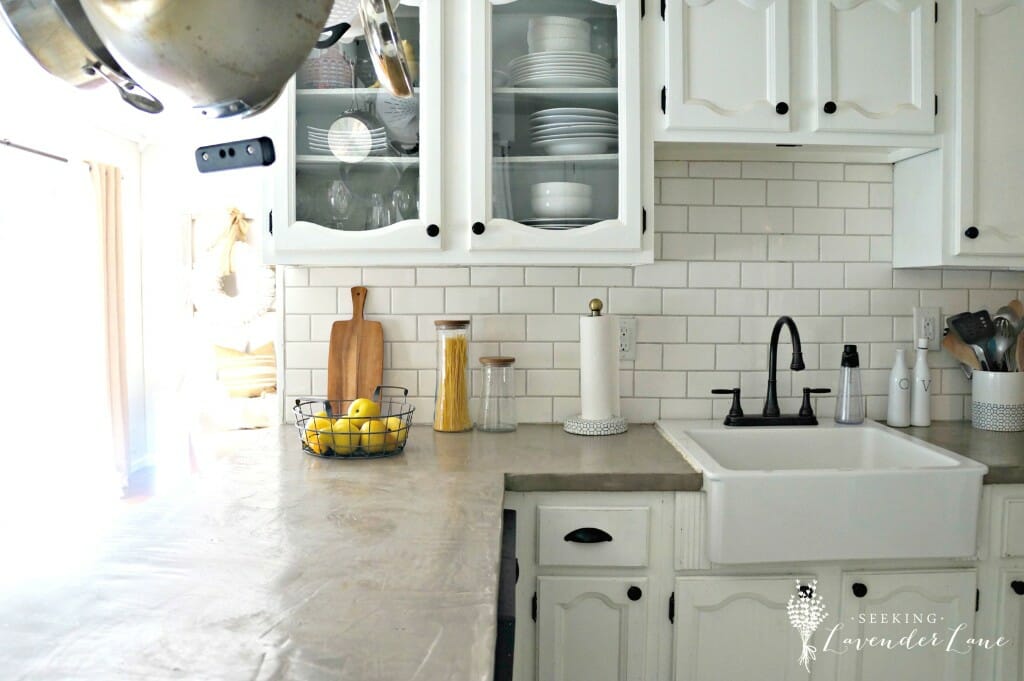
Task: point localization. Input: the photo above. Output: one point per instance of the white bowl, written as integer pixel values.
(560, 21)
(575, 147)
(561, 206)
(558, 44)
(559, 189)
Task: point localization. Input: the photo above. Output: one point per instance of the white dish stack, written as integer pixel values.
(560, 205)
(559, 56)
(574, 131)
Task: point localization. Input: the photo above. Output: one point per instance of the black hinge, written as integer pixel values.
(643, 8)
(533, 607)
(663, 10)
(672, 608)
(270, 222)
(644, 222)
(936, 13)
(977, 600)
(663, 95)
(936, 105)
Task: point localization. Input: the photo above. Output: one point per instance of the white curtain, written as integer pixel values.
(59, 401)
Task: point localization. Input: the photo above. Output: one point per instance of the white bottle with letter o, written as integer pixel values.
(898, 415)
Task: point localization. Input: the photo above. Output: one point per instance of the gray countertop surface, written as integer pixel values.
(1003, 453)
(271, 564)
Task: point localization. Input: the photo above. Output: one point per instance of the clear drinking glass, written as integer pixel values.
(497, 411)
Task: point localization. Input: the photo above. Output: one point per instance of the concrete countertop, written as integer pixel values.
(1003, 453)
(271, 564)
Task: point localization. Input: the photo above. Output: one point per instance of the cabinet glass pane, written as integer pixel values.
(357, 146)
(555, 108)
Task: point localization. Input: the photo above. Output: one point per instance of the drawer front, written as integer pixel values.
(593, 536)
(1013, 528)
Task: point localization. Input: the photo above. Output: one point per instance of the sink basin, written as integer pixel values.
(829, 492)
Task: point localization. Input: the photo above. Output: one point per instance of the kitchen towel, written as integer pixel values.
(599, 367)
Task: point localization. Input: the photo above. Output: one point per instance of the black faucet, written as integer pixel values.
(770, 415)
(771, 400)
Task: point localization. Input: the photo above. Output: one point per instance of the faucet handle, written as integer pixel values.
(735, 409)
(805, 408)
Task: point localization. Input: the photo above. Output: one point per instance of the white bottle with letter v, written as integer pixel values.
(920, 405)
(898, 415)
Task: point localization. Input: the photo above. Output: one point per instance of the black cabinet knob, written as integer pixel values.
(433, 230)
(782, 108)
(860, 590)
(830, 107)
(806, 591)
(634, 593)
(478, 228)
(972, 232)
(1018, 587)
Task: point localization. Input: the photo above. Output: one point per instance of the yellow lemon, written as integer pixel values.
(373, 436)
(318, 433)
(362, 410)
(346, 437)
(397, 431)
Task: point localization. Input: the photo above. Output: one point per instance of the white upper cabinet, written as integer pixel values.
(556, 141)
(875, 62)
(991, 145)
(727, 64)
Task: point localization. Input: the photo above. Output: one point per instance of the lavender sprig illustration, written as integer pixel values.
(806, 611)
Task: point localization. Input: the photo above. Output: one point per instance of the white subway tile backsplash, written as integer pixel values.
(737, 244)
(687, 247)
(773, 220)
(792, 193)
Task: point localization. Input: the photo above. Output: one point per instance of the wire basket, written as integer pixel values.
(327, 431)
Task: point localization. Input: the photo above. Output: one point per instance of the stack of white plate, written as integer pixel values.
(560, 69)
(348, 140)
(573, 131)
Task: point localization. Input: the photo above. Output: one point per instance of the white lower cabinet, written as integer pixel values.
(1009, 659)
(737, 628)
(892, 605)
(591, 628)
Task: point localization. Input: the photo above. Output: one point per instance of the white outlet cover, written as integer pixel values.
(627, 338)
(928, 323)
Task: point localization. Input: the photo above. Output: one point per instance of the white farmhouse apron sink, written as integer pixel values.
(829, 492)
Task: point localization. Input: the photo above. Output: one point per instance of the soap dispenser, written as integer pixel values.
(850, 400)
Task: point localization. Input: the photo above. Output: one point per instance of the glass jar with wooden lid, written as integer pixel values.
(497, 412)
(451, 401)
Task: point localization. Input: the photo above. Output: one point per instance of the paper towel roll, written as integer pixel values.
(599, 367)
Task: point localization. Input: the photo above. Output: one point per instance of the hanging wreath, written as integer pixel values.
(255, 283)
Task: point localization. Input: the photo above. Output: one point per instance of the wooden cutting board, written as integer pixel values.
(355, 365)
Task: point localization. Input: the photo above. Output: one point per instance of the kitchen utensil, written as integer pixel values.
(325, 431)
(385, 45)
(962, 352)
(60, 37)
(229, 57)
(355, 362)
(1004, 339)
(1018, 309)
(1019, 352)
(975, 329)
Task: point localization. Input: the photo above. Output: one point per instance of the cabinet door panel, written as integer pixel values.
(737, 628)
(875, 62)
(727, 64)
(1010, 659)
(992, 148)
(948, 596)
(588, 629)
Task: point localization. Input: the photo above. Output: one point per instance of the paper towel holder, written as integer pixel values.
(577, 425)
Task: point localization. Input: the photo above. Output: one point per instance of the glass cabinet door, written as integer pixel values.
(358, 150)
(560, 135)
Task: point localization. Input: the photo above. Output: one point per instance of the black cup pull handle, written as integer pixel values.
(588, 535)
(1018, 587)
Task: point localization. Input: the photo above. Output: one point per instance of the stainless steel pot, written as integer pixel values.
(59, 36)
(229, 57)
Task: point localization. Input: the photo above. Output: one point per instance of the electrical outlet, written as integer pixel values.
(627, 338)
(927, 324)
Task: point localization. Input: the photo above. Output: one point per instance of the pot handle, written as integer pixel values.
(130, 91)
(334, 35)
